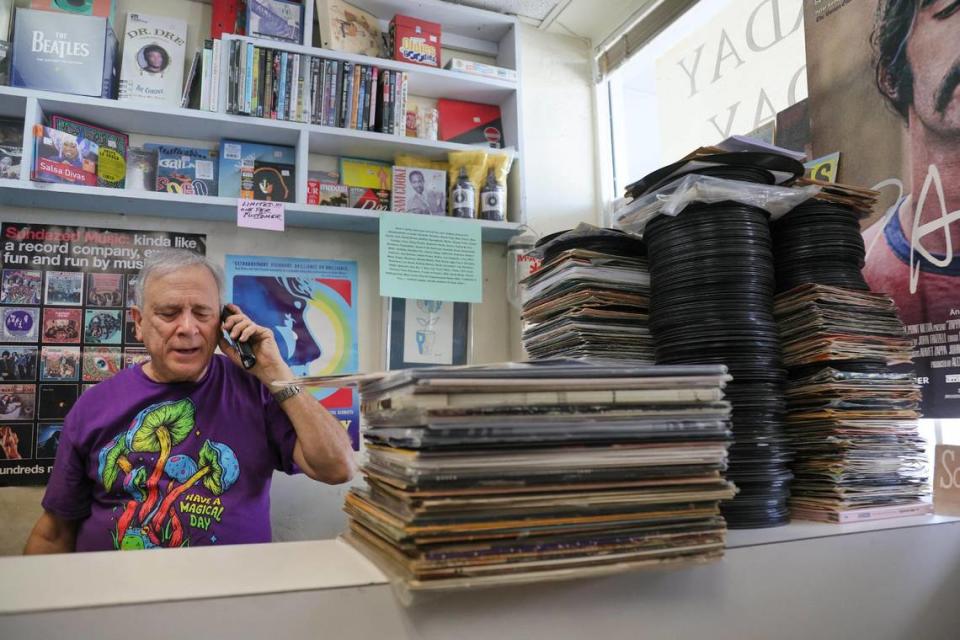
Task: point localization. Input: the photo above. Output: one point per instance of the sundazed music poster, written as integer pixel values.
(65, 325)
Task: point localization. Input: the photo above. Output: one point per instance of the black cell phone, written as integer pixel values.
(243, 348)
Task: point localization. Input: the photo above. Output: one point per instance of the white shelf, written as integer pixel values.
(427, 82)
(41, 195)
(807, 530)
(146, 119)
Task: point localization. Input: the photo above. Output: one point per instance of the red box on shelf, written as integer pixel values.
(414, 40)
(470, 123)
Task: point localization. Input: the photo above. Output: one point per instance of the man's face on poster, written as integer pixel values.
(416, 180)
(933, 52)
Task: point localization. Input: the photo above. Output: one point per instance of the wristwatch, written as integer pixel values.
(286, 393)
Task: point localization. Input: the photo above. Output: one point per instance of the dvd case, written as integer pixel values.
(239, 162)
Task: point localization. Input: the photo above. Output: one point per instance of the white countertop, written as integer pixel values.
(77, 580)
(109, 578)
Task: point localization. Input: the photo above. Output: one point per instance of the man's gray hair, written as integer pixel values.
(164, 261)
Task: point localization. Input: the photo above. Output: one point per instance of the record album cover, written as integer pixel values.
(100, 363)
(63, 157)
(66, 53)
(185, 170)
(418, 190)
(61, 326)
(111, 148)
(20, 286)
(154, 50)
(20, 324)
(18, 363)
(60, 364)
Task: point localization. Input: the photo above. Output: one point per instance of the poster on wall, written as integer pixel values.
(426, 333)
(64, 298)
(896, 65)
(311, 307)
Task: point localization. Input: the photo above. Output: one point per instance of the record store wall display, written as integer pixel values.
(311, 307)
(65, 298)
(427, 333)
(897, 66)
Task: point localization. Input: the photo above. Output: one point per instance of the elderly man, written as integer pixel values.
(180, 450)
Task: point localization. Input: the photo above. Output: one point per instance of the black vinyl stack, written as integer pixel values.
(819, 242)
(712, 287)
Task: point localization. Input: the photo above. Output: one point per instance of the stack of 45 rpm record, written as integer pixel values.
(589, 298)
(852, 408)
(524, 472)
(712, 287)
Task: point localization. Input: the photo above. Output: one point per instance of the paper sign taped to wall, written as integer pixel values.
(430, 257)
(260, 214)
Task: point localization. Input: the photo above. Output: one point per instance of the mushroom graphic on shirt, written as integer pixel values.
(149, 518)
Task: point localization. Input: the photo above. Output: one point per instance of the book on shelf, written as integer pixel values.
(186, 170)
(191, 86)
(470, 123)
(112, 148)
(257, 171)
(344, 27)
(154, 50)
(369, 174)
(415, 41)
(472, 67)
(141, 169)
(11, 147)
(275, 20)
(328, 194)
(102, 8)
(417, 190)
(374, 199)
(43, 39)
(226, 16)
(61, 157)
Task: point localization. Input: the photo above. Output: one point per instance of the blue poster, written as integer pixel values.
(311, 307)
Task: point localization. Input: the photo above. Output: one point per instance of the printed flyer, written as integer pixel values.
(311, 307)
(64, 297)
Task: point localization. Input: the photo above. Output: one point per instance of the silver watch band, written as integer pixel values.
(286, 393)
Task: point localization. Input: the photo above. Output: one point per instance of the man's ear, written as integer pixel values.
(137, 320)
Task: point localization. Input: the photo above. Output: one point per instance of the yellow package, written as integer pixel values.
(464, 177)
(493, 188)
(418, 162)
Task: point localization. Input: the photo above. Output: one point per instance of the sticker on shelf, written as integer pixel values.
(231, 151)
(260, 214)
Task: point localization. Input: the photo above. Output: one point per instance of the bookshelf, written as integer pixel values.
(471, 31)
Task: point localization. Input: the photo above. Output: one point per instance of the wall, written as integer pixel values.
(559, 161)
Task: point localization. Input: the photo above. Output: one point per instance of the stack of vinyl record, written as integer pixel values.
(712, 282)
(534, 471)
(852, 408)
(589, 298)
(819, 242)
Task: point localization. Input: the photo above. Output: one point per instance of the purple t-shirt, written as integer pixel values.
(145, 464)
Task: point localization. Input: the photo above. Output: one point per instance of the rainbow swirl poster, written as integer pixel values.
(311, 306)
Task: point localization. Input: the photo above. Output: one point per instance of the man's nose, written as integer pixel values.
(188, 324)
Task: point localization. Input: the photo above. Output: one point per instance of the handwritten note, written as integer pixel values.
(260, 214)
(430, 258)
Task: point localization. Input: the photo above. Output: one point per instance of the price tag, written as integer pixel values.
(260, 214)
(946, 480)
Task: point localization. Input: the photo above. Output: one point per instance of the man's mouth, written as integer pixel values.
(186, 351)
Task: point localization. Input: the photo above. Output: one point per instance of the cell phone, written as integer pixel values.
(244, 349)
